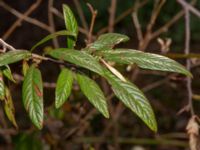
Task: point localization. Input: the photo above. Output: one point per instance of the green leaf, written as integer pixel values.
(133, 98)
(52, 36)
(108, 41)
(71, 25)
(79, 58)
(32, 95)
(144, 60)
(9, 107)
(13, 56)
(94, 94)
(7, 73)
(63, 87)
(2, 87)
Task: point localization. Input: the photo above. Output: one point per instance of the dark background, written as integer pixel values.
(77, 125)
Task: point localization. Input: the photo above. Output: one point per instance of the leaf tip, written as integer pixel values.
(106, 115)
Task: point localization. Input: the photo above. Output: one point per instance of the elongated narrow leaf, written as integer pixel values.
(133, 98)
(52, 36)
(7, 73)
(63, 87)
(32, 94)
(71, 25)
(13, 56)
(145, 60)
(108, 40)
(9, 107)
(79, 58)
(94, 94)
(2, 87)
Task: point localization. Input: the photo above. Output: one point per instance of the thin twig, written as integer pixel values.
(189, 7)
(187, 51)
(6, 45)
(112, 11)
(148, 35)
(157, 8)
(122, 16)
(18, 22)
(94, 14)
(137, 141)
(51, 22)
(27, 18)
(136, 22)
(81, 14)
(166, 26)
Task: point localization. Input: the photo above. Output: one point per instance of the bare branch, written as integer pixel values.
(18, 22)
(112, 11)
(94, 14)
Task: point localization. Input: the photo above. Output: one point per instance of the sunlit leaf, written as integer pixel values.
(133, 98)
(32, 95)
(108, 40)
(71, 25)
(9, 107)
(79, 58)
(63, 87)
(13, 56)
(52, 36)
(94, 94)
(144, 60)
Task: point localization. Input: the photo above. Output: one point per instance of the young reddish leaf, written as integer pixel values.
(25, 67)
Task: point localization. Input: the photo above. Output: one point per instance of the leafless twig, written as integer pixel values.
(51, 22)
(81, 14)
(94, 14)
(112, 11)
(18, 22)
(187, 51)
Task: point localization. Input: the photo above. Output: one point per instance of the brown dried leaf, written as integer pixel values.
(193, 132)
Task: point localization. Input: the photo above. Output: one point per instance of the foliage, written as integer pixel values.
(94, 57)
